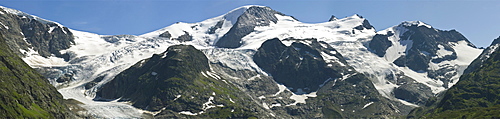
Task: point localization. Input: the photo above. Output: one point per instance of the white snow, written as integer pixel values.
(177, 97)
(275, 105)
(237, 59)
(407, 103)
(26, 15)
(416, 23)
(213, 75)
(39, 61)
(208, 104)
(399, 46)
(287, 27)
(51, 29)
(253, 77)
(35, 60)
(301, 98)
(281, 88)
(265, 105)
(465, 53)
(441, 52)
(367, 104)
(188, 113)
(5, 26)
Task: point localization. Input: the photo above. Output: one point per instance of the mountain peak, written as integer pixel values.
(357, 15)
(333, 18)
(20, 13)
(496, 41)
(235, 13)
(415, 23)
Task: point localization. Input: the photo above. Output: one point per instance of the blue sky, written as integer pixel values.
(479, 21)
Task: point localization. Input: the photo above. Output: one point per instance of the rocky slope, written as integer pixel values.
(475, 95)
(33, 36)
(432, 58)
(26, 93)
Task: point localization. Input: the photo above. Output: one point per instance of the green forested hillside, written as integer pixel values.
(24, 92)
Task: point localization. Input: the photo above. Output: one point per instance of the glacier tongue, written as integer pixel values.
(94, 58)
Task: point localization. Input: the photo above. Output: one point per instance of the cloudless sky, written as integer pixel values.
(479, 21)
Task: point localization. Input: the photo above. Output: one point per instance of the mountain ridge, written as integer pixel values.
(87, 69)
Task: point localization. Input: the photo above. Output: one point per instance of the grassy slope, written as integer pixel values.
(24, 92)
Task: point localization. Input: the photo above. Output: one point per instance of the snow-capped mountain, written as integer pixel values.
(433, 58)
(253, 48)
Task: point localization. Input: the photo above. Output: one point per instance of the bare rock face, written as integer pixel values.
(299, 66)
(24, 32)
(252, 17)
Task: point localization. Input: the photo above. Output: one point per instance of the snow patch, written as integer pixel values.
(416, 23)
(366, 105)
(281, 88)
(275, 105)
(177, 97)
(407, 103)
(5, 26)
(35, 60)
(253, 77)
(188, 113)
(301, 98)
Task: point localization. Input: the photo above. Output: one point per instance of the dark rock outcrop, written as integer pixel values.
(185, 37)
(166, 34)
(298, 66)
(416, 93)
(380, 43)
(332, 18)
(212, 29)
(25, 32)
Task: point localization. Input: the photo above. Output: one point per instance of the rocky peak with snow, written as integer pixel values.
(415, 23)
(254, 16)
(439, 56)
(333, 18)
(34, 36)
(478, 62)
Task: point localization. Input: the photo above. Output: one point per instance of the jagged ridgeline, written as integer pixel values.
(24, 32)
(476, 95)
(24, 92)
(251, 62)
(178, 80)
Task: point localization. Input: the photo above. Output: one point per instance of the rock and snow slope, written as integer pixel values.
(383, 56)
